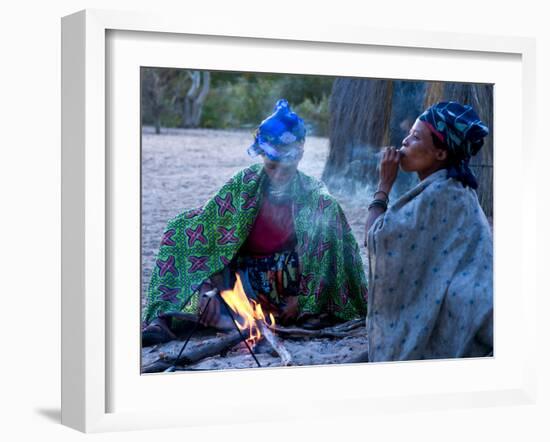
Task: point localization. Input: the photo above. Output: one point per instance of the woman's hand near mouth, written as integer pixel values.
(389, 166)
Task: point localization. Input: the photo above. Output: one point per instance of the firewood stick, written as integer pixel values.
(156, 367)
(209, 348)
(303, 333)
(348, 326)
(275, 342)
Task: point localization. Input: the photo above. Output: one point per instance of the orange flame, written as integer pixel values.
(249, 311)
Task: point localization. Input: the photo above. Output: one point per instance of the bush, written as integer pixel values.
(237, 100)
(301, 88)
(315, 115)
(241, 104)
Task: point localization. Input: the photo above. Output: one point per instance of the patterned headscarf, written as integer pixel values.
(460, 129)
(281, 136)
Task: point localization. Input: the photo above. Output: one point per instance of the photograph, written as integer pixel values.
(298, 220)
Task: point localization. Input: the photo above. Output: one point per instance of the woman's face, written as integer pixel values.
(418, 153)
(279, 173)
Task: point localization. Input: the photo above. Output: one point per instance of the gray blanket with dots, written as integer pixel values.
(430, 262)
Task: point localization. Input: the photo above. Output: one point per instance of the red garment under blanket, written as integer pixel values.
(273, 230)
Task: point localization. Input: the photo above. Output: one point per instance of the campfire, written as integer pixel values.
(249, 312)
(254, 327)
(252, 316)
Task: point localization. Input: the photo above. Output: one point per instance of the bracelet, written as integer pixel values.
(378, 203)
(385, 194)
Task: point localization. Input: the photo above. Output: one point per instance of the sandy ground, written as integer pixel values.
(303, 351)
(182, 168)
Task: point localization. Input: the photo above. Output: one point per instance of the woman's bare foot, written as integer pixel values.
(157, 332)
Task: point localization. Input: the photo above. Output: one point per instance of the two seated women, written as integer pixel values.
(430, 290)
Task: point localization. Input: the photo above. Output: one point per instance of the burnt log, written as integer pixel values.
(211, 347)
(289, 332)
(337, 331)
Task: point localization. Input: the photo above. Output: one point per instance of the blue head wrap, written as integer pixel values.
(460, 129)
(281, 136)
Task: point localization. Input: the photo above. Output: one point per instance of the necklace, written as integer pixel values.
(278, 194)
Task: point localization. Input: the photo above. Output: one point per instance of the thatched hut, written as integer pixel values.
(357, 127)
(480, 97)
(368, 114)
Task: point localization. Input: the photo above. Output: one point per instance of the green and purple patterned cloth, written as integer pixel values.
(201, 242)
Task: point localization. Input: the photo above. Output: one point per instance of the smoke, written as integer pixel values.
(359, 180)
(367, 115)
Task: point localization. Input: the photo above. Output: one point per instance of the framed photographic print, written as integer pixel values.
(157, 120)
(196, 129)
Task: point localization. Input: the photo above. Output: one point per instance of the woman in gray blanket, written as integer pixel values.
(431, 252)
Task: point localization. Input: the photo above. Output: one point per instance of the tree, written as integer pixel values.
(173, 96)
(154, 86)
(192, 100)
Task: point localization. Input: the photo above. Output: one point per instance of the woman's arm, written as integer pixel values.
(389, 165)
(374, 212)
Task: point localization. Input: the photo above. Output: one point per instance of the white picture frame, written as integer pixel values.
(89, 204)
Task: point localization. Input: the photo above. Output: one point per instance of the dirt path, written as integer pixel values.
(182, 168)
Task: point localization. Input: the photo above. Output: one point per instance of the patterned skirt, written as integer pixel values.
(272, 279)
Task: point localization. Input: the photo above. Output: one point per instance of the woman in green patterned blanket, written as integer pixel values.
(270, 222)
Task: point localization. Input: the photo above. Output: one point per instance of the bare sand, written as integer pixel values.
(183, 168)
